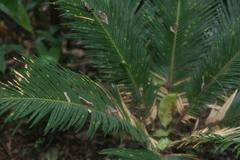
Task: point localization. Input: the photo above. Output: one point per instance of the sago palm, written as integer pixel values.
(162, 66)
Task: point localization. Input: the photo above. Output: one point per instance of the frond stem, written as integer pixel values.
(173, 54)
(43, 99)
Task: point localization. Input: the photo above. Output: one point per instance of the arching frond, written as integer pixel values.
(63, 100)
(131, 154)
(137, 154)
(223, 139)
(112, 33)
(218, 73)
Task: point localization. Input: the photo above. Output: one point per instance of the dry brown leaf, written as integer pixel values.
(187, 119)
(103, 17)
(218, 113)
(174, 29)
(152, 116)
(196, 124)
(3, 28)
(181, 103)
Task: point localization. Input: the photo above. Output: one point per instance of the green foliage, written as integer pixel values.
(62, 100)
(176, 35)
(223, 139)
(161, 133)
(154, 57)
(221, 64)
(166, 109)
(52, 154)
(32, 4)
(163, 143)
(114, 42)
(48, 45)
(131, 154)
(16, 10)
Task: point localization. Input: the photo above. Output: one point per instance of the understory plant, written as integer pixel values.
(168, 74)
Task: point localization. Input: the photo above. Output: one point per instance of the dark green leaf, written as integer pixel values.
(63, 100)
(138, 154)
(16, 10)
(131, 154)
(218, 73)
(114, 42)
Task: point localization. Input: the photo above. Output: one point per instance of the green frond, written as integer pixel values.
(178, 35)
(63, 100)
(218, 73)
(223, 139)
(137, 154)
(131, 154)
(112, 32)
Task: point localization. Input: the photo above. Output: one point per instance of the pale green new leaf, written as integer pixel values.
(163, 143)
(166, 109)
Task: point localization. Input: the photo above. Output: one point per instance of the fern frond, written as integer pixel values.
(137, 154)
(177, 35)
(223, 139)
(131, 154)
(112, 33)
(63, 100)
(218, 73)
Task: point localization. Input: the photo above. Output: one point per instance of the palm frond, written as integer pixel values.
(112, 33)
(131, 154)
(177, 35)
(136, 154)
(218, 73)
(223, 139)
(63, 100)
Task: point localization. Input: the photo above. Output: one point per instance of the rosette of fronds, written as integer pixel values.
(169, 61)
